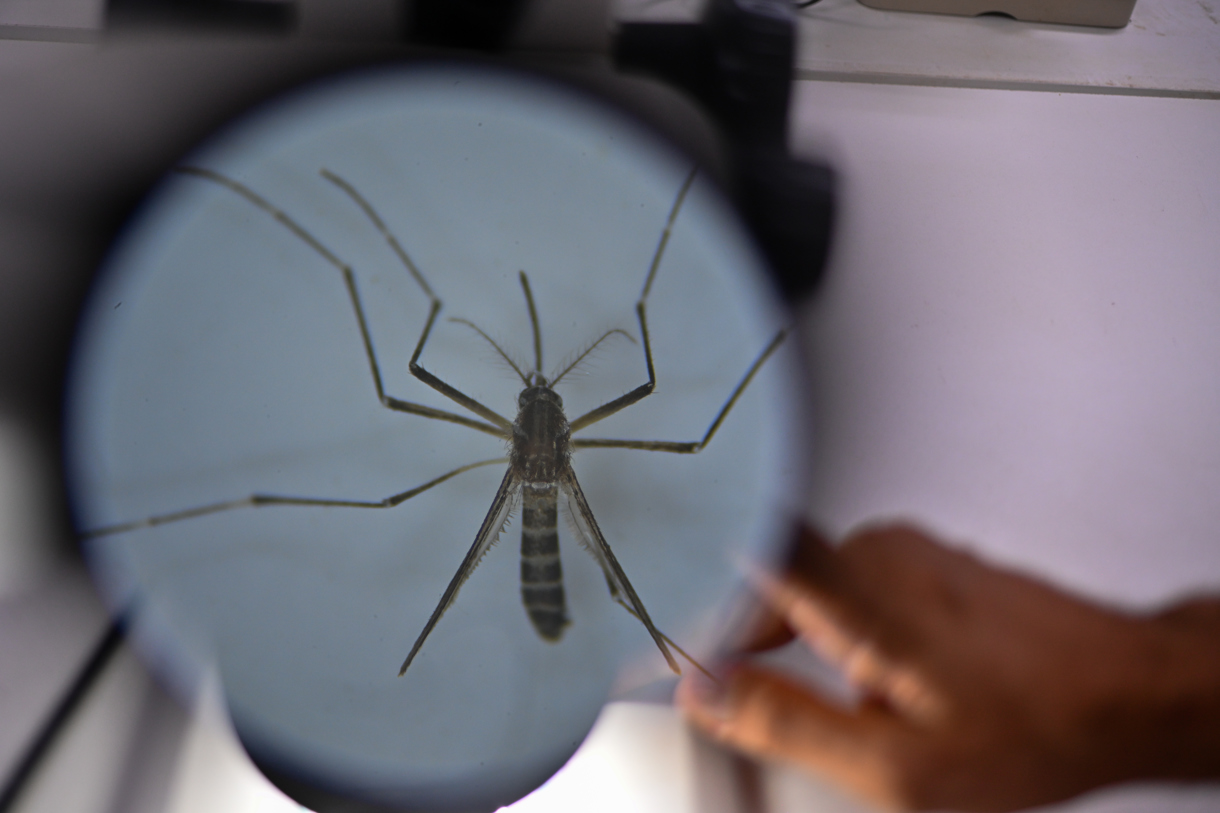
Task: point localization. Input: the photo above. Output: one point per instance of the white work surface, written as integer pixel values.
(1169, 47)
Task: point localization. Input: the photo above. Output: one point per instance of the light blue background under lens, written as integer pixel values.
(220, 356)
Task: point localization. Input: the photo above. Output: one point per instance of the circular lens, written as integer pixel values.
(330, 365)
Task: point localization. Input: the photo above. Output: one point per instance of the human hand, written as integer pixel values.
(981, 688)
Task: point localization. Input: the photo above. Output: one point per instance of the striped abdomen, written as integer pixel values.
(541, 573)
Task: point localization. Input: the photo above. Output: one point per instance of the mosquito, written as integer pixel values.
(540, 440)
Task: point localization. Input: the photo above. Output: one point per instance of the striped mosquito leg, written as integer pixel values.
(541, 572)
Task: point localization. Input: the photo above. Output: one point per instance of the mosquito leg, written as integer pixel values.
(641, 313)
(616, 579)
(452, 393)
(372, 215)
(497, 514)
(261, 500)
(349, 281)
(669, 225)
(619, 600)
(501, 426)
(623, 401)
(690, 447)
(501, 423)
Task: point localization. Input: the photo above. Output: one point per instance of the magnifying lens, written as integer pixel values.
(413, 330)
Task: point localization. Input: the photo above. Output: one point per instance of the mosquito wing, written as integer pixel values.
(489, 532)
(620, 588)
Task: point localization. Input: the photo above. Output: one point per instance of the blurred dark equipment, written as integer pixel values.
(737, 63)
(478, 25)
(246, 16)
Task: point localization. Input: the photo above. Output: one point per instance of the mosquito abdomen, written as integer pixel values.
(541, 573)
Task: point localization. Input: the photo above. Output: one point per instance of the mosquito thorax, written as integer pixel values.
(541, 442)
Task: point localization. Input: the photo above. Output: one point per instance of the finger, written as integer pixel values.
(758, 628)
(816, 570)
(882, 584)
(813, 558)
(766, 715)
(804, 612)
(908, 588)
(770, 631)
(780, 592)
(768, 627)
(863, 663)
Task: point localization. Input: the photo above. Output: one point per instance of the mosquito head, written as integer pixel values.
(539, 391)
